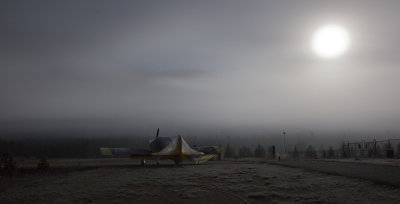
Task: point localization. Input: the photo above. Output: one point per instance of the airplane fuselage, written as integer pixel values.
(159, 143)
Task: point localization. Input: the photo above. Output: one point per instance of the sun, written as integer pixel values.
(330, 41)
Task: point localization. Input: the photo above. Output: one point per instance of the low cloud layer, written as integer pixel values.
(196, 66)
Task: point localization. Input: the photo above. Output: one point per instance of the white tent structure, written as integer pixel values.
(175, 149)
(179, 150)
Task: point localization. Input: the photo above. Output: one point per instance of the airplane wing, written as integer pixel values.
(125, 152)
(206, 157)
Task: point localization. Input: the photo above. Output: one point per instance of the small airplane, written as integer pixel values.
(162, 148)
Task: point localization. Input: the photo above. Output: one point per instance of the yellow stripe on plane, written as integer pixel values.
(106, 151)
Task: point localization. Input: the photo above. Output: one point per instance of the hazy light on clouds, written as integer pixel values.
(197, 65)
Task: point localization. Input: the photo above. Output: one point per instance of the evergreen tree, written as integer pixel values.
(7, 164)
(343, 151)
(324, 154)
(389, 150)
(229, 152)
(43, 164)
(272, 152)
(378, 152)
(245, 152)
(295, 153)
(310, 153)
(398, 151)
(259, 152)
(331, 153)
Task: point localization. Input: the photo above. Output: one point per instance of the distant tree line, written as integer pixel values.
(387, 151)
(244, 151)
(312, 153)
(7, 164)
(88, 147)
(61, 147)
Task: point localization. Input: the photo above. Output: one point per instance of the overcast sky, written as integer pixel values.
(188, 66)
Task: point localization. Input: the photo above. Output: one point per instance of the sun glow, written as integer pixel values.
(330, 41)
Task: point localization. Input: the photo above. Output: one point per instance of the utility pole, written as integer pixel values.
(284, 145)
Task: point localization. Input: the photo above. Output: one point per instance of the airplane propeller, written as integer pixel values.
(158, 131)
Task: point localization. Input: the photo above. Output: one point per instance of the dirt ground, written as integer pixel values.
(212, 182)
(378, 172)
